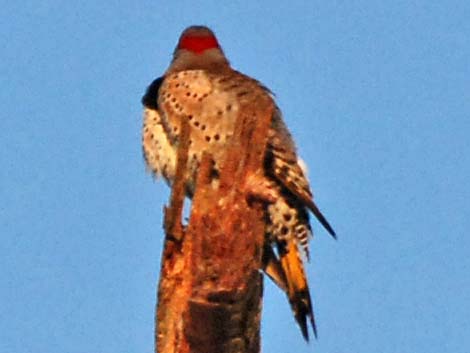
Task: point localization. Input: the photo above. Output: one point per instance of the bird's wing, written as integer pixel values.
(284, 166)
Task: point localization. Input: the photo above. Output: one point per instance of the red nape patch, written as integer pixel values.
(198, 44)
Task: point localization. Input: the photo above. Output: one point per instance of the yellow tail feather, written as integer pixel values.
(297, 287)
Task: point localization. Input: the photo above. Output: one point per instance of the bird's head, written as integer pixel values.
(198, 48)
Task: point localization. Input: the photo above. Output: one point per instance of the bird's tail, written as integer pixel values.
(297, 287)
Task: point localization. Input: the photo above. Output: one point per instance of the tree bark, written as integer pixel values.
(209, 296)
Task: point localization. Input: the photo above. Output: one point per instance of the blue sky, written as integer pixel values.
(376, 95)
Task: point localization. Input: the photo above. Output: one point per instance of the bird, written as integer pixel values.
(201, 86)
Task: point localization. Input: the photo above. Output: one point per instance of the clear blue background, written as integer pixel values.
(377, 95)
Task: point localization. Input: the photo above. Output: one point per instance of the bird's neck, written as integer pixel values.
(210, 60)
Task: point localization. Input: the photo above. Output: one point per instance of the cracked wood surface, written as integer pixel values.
(209, 296)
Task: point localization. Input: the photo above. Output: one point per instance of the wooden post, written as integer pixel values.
(209, 296)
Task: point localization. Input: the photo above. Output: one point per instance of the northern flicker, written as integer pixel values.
(202, 87)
